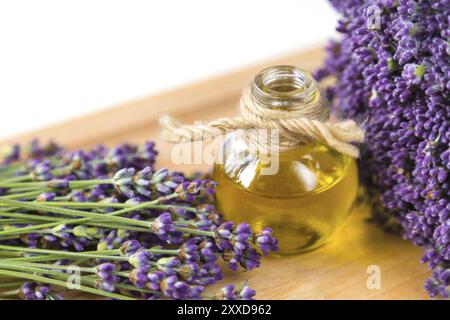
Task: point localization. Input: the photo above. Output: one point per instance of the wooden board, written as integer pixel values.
(337, 270)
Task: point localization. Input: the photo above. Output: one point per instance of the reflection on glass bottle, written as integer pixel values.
(312, 192)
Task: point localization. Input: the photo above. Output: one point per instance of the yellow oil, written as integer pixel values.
(305, 202)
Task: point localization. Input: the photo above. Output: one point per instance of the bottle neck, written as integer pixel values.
(285, 88)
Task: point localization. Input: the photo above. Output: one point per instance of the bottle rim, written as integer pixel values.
(284, 87)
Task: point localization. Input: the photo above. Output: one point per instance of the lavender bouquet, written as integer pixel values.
(393, 71)
(105, 222)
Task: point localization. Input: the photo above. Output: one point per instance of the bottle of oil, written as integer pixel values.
(312, 192)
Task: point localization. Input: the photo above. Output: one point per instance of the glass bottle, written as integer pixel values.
(312, 192)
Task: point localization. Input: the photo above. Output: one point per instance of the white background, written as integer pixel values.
(60, 59)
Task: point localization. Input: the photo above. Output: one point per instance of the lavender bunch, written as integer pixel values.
(130, 230)
(394, 74)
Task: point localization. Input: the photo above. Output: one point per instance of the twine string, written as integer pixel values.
(309, 123)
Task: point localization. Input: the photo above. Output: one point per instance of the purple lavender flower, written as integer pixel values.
(224, 234)
(191, 191)
(188, 272)
(147, 154)
(237, 244)
(35, 291)
(42, 171)
(77, 196)
(30, 239)
(439, 284)
(266, 242)
(127, 155)
(176, 289)
(163, 226)
(81, 166)
(37, 151)
(130, 247)
(140, 259)
(209, 273)
(123, 181)
(146, 182)
(189, 250)
(42, 291)
(46, 196)
(209, 216)
(141, 181)
(229, 292)
(168, 265)
(226, 293)
(154, 280)
(105, 286)
(105, 270)
(246, 293)
(396, 78)
(208, 251)
(58, 184)
(97, 193)
(161, 182)
(106, 277)
(250, 259)
(138, 277)
(27, 291)
(413, 73)
(61, 231)
(190, 262)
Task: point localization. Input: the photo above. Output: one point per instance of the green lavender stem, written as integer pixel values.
(74, 213)
(31, 218)
(25, 195)
(25, 189)
(16, 179)
(66, 253)
(35, 258)
(53, 257)
(30, 269)
(13, 221)
(63, 284)
(88, 215)
(35, 267)
(106, 254)
(197, 232)
(48, 184)
(100, 205)
(10, 285)
(10, 254)
(42, 269)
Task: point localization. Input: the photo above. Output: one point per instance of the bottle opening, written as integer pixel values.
(284, 87)
(283, 80)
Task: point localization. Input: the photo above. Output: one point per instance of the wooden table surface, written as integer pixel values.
(337, 270)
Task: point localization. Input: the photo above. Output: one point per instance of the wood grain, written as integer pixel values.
(337, 270)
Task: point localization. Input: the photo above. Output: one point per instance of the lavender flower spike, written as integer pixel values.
(163, 226)
(396, 78)
(266, 242)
